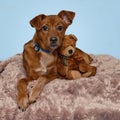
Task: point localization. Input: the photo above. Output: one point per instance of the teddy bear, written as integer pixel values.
(72, 62)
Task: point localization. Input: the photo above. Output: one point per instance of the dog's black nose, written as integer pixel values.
(53, 39)
(70, 51)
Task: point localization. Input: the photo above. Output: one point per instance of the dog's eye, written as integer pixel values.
(45, 28)
(59, 27)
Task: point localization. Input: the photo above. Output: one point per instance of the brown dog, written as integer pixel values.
(40, 55)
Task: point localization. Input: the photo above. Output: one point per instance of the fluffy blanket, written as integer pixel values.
(93, 98)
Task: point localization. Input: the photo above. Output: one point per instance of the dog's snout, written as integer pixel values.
(53, 39)
(70, 51)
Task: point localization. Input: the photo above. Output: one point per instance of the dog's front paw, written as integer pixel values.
(22, 102)
(32, 98)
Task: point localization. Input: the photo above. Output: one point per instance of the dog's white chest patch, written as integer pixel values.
(46, 61)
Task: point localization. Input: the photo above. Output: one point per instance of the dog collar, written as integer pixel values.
(64, 59)
(38, 48)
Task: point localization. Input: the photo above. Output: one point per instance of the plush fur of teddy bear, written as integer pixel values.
(72, 62)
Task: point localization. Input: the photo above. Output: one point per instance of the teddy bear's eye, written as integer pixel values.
(59, 27)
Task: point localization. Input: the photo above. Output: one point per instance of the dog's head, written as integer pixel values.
(68, 46)
(50, 29)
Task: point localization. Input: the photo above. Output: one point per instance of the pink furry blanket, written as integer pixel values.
(94, 98)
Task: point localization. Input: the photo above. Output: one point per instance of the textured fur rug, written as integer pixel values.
(94, 98)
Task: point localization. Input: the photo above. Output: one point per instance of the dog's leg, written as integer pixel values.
(22, 98)
(36, 90)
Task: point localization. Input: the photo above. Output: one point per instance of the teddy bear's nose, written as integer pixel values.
(70, 51)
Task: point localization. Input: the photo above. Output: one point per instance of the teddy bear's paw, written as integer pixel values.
(74, 74)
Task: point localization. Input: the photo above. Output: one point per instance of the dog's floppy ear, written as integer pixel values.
(72, 36)
(67, 16)
(36, 21)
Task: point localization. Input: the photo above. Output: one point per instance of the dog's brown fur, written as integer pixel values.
(41, 66)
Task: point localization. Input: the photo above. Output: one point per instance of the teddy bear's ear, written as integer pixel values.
(72, 36)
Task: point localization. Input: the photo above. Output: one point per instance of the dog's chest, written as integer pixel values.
(47, 62)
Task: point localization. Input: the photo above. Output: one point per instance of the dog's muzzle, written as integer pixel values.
(53, 42)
